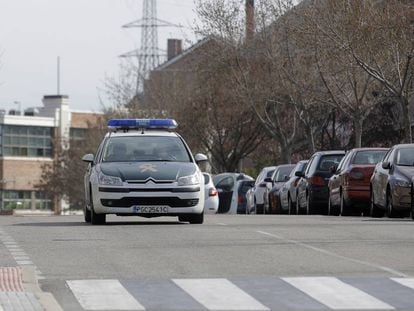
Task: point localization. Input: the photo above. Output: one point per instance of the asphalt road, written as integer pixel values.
(261, 262)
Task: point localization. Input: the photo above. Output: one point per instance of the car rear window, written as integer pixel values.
(327, 161)
(369, 157)
(282, 172)
(245, 186)
(145, 149)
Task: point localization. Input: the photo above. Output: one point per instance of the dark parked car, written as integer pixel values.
(313, 191)
(349, 187)
(232, 188)
(289, 190)
(391, 183)
(271, 196)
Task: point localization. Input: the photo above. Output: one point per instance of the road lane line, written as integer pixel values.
(221, 224)
(326, 252)
(103, 295)
(219, 294)
(406, 282)
(336, 294)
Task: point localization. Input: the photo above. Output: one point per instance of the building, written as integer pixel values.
(26, 144)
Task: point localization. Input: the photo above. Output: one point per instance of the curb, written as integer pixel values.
(31, 284)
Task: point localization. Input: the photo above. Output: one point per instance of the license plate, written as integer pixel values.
(150, 209)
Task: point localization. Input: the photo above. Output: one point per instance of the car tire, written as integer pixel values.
(308, 205)
(332, 209)
(346, 209)
(96, 219)
(374, 210)
(87, 214)
(391, 212)
(196, 219)
(290, 206)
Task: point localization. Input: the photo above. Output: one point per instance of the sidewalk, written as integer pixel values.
(19, 290)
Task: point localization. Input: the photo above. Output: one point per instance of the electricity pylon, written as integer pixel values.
(148, 55)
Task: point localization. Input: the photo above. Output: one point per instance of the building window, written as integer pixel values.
(78, 133)
(26, 141)
(16, 199)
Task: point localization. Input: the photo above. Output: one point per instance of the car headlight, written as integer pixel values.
(109, 180)
(188, 180)
(402, 183)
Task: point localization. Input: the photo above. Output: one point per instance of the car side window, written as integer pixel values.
(387, 155)
(99, 151)
(343, 162)
(259, 178)
(309, 165)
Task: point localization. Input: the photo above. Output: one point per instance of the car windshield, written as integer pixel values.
(369, 156)
(405, 157)
(145, 149)
(282, 172)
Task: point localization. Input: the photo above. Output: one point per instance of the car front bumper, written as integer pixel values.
(124, 201)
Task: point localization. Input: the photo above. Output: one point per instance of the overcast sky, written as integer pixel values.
(86, 34)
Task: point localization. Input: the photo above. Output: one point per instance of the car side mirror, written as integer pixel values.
(199, 157)
(268, 179)
(299, 174)
(386, 165)
(88, 158)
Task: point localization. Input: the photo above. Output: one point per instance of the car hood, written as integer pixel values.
(145, 171)
(406, 171)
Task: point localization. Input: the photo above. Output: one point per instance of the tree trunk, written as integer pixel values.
(358, 122)
(406, 124)
(286, 154)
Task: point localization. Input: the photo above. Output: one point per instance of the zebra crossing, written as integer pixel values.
(265, 293)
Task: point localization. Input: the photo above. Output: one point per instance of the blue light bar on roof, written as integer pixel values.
(142, 124)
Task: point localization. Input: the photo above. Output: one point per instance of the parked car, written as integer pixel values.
(392, 182)
(313, 194)
(349, 186)
(271, 197)
(288, 192)
(232, 188)
(211, 199)
(254, 195)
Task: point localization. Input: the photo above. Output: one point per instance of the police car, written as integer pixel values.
(143, 168)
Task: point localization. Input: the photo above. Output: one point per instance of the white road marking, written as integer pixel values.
(221, 224)
(326, 252)
(17, 253)
(219, 294)
(103, 295)
(336, 294)
(406, 282)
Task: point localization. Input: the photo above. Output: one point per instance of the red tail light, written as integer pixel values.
(317, 181)
(212, 192)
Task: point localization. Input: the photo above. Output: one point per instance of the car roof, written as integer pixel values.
(329, 152)
(404, 146)
(370, 149)
(130, 133)
(285, 165)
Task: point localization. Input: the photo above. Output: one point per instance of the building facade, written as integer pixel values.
(27, 144)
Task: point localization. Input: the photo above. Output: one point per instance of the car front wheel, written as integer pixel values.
(196, 218)
(96, 219)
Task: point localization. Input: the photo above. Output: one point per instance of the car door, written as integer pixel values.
(381, 182)
(336, 180)
(303, 182)
(225, 189)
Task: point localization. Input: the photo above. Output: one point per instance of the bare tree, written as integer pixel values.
(379, 37)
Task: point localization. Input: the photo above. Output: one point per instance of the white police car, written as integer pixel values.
(142, 168)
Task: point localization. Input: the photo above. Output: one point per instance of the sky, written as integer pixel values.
(88, 37)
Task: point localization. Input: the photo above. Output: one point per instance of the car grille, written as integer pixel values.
(150, 201)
